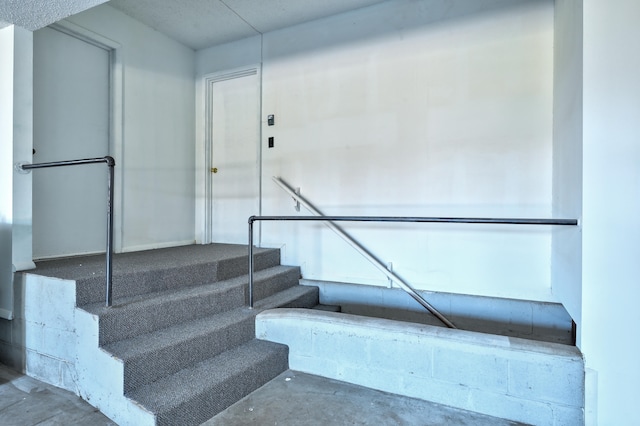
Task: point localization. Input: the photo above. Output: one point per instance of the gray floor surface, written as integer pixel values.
(291, 399)
(299, 399)
(25, 401)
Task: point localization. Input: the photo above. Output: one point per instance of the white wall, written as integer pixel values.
(6, 170)
(611, 206)
(409, 109)
(158, 154)
(566, 262)
(16, 64)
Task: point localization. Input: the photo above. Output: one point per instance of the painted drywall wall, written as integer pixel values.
(416, 117)
(157, 156)
(566, 261)
(611, 204)
(409, 109)
(16, 59)
(6, 171)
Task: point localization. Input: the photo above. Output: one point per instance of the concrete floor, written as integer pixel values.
(298, 399)
(25, 401)
(291, 399)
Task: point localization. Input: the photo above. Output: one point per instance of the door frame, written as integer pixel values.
(204, 188)
(116, 114)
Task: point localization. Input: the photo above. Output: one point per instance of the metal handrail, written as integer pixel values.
(376, 262)
(110, 185)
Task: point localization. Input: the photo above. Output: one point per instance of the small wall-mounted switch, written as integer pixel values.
(271, 142)
(271, 120)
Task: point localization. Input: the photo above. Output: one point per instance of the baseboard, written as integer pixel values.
(154, 246)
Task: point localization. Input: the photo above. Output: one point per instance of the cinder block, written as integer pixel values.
(285, 331)
(50, 301)
(312, 365)
(563, 416)
(44, 368)
(69, 377)
(446, 393)
(59, 344)
(384, 380)
(331, 342)
(415, 357)
(471, 368)
(511, 408)
(549, 379)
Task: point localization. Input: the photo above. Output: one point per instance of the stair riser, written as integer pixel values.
(266, 287)
(92, 290)
(123, 324)
(150, 367)
(225, 393)
(235, 267)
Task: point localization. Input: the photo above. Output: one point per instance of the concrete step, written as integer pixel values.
(143, 314)
(151, 356)
(194, 395)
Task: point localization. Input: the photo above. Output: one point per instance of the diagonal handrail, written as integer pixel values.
(364, 252)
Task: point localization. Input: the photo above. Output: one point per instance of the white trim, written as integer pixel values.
(116, 113)
(203, 162)
(23, 266)
(154, 246)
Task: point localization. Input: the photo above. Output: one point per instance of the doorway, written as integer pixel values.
(233, 110)
(71, 116)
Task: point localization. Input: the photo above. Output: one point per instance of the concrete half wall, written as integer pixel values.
(499, 376)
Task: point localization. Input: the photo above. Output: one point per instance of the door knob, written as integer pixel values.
(214, 170)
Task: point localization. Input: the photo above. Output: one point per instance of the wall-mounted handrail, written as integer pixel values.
(376, 262)
(110, 184)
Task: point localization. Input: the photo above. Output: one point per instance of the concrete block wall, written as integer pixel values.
(520, 380)
(41, 340)
(55, 342)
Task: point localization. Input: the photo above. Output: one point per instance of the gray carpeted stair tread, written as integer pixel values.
(131, 302)
(149, 342)
(87, 266)
(154, 355)
(156, 270)
(196, 394)
(144, 315)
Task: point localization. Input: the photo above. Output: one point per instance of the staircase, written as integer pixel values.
(178, 346)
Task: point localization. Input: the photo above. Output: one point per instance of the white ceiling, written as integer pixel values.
(35, 14)
(204, 23)
(194, 23)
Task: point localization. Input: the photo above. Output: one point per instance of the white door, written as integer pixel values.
(234, 120)
(70, 121)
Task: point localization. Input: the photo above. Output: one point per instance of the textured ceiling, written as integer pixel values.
(204, 23)
(194, 23)
(35, 14)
